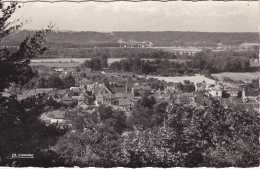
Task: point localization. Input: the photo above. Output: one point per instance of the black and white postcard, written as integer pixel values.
(129, 84)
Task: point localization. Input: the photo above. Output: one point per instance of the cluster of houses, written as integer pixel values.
(186, 50)
(134, 44)
(255, 60)
(88, 95)
(123, 98)
(235, 96)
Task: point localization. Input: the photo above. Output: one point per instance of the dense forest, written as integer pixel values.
(71, 39)
(253, 54)
(111, 53)
(208, 60)
(143, 53)
(155, 134)
(156, 67)
(161, 135)
(169, 38)
(205, 62)
(91, 44)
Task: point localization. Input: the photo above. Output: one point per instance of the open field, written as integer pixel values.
(238, 76)
(194, 79)
(74, 62)
(65, 62)
(79, 60)
(172, 60)
(170, 49)
(55, 64)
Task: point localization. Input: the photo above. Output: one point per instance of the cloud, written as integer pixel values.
(144, 16)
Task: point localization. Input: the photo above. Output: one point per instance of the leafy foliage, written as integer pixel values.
(166, 136)
(95, 140)
(21, 130)
(155, 67)
(95, 64)
(166, 38)
(215, 137)
(21, 127)
(14, 67)
(209, 60)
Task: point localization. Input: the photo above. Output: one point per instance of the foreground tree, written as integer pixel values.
(189, 137)
(21, 131)
(54, 81)
(163, 136)
(14, 67)
(93, 139)
(68, 81)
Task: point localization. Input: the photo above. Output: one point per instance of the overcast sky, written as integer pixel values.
(143, 16)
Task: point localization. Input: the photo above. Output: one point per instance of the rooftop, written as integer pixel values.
(124, 102)
(139, 87)
(129, 96)
(251, 92)
(187, 94)
(58, 114)
(118, 89)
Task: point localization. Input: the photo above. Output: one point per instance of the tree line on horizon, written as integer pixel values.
(204, 63)
(155, 134)
(87, 39)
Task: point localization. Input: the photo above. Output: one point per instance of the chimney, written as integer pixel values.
(126, 88)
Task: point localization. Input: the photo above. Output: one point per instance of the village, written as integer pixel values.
(129, 84)
(121, 91)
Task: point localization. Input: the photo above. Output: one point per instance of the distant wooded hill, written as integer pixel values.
(167, 38)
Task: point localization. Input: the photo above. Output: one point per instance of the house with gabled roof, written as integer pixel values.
(103, 95)
(83, 102)
(250, 95)
(57, 116)
(140, 90)
(66, 100)
(215, 92)
(233, 91)
(45, 90)
(125, 104)
(182, 100)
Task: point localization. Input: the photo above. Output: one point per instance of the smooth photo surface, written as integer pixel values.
(129, 84)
